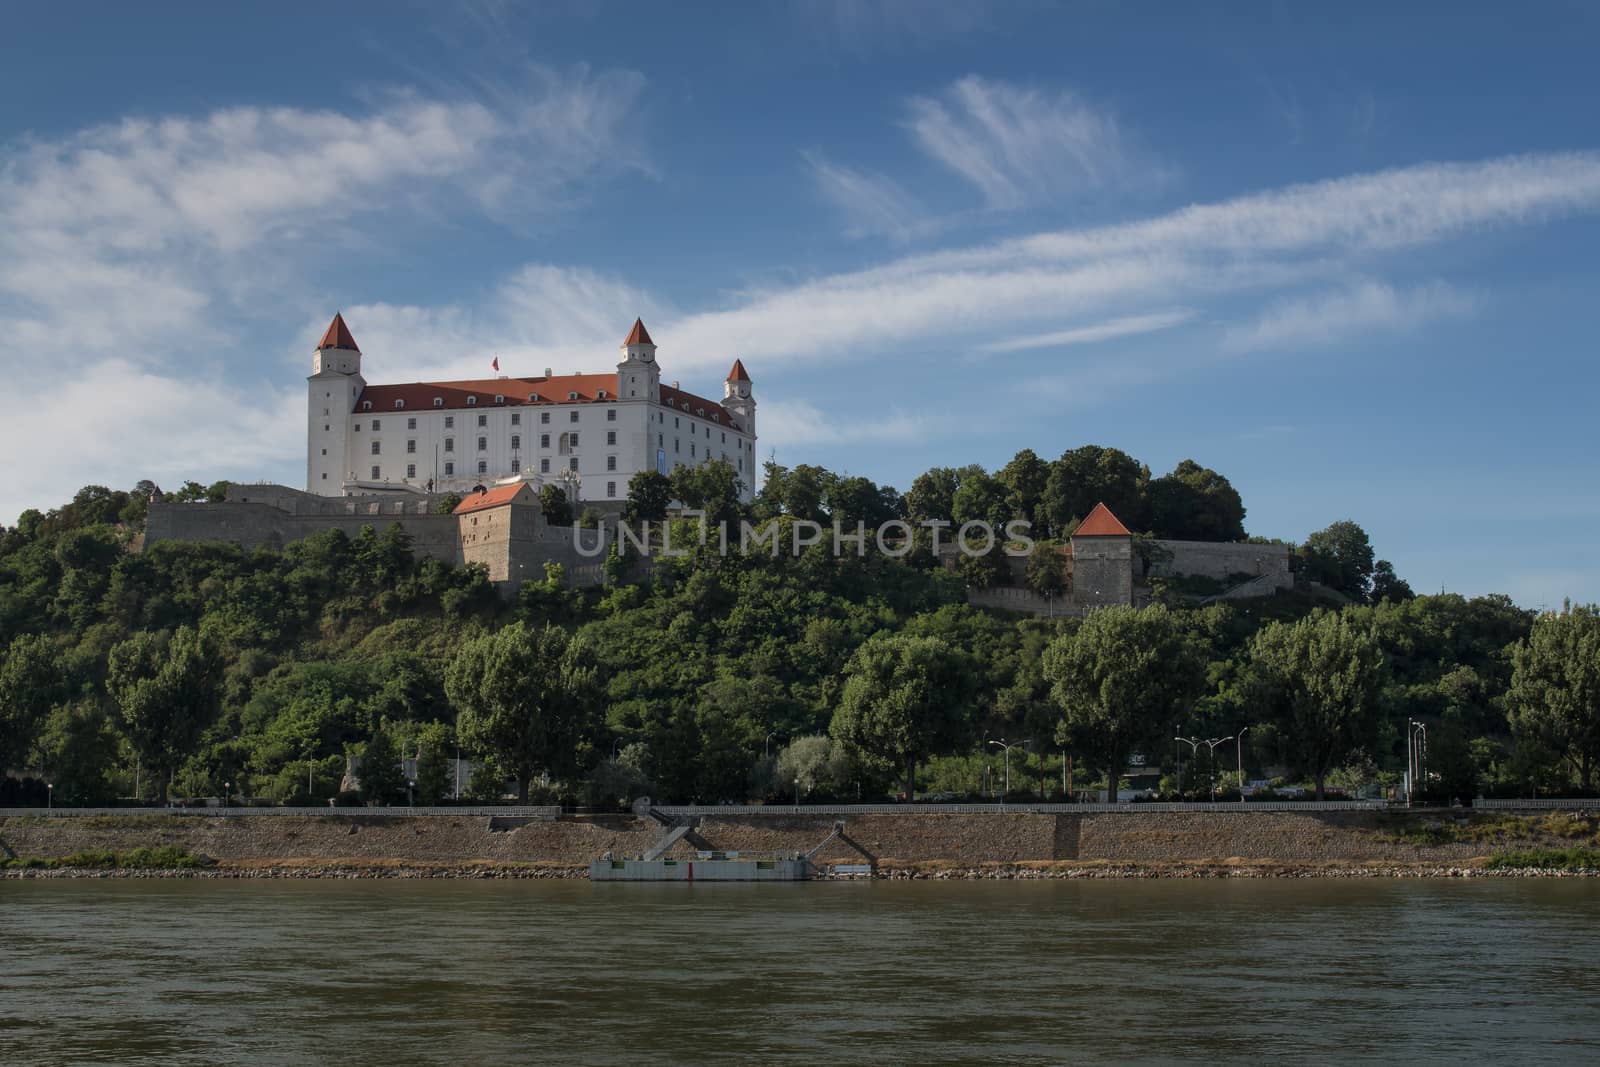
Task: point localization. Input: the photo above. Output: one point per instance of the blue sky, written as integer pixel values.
(1348, 257)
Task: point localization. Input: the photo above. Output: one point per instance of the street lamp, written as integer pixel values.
(614, 743)
(227, 793)
(1238, 751)
(50, 796)
(410, 785)
(1416, 756)
(766, 746)
(797, 794)
(1194, 744)
(1015, 744)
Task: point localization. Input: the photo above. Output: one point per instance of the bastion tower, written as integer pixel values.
(331, 393)
(738, 398)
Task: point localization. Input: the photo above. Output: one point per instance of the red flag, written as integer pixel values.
(496, 362)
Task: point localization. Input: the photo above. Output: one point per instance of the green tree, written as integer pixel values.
(1554, 699)
(1319, 680)
(1084, 477)
(1121, 682)
(1340, 557)
(1024, 479)
(165, 687)
(905, 698)
(1387, 585)
(433, 742)
(554, 505)
(932, 495)
(30, 685)
(527, 699)
(649, 493)
(712, 487)
(381, 776)
(1046, 570)
(1195, 503)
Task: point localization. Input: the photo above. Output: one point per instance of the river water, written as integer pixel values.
(422, 972)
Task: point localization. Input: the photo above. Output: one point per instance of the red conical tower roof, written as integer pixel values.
(1101, 523)
(737, 374)
(638, 335)
(338, 335)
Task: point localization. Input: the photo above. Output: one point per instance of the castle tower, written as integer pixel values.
(737, 397)
(1102, 561)
(332, 390)
(638, 377)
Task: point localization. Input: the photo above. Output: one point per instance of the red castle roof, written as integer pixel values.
(1101, 523)
(638, 335)
(338, 335)
(737, 374)
(492, 498)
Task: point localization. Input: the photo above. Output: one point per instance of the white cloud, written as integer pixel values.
(798, 422)
(143, 254)
(870, 203)
(1127, 326)
(1020, 145)
(1329, 317)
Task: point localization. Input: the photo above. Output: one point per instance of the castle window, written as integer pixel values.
(601, 395)
(724, 437)
(483, 468)
(544, 466)
(544, 418)
(611, 414)
(741, 464)
(572, 416)
(516, 418)
(716, 418)
(411, 470)
(691, 448)
(572, 439)
(324, 451)
(701, 412)
(449, 444)
(533, 398)
(483, 420)
(375, 445)
(498, 399)
(677, 445)
(611, 437)
(399, 405)
(411, 424)
(611, 489)
(660, 443)
(483, 444)
(449, 470)
(374, 425)
(366, 405)
(438, 401)
(573, 395)
(676, 422)
(472, 401)
(611, 463)
(374, 473)
(516, 440)
(449, 422)
(324, 477)
(572, 464)
(411, 446)
(516, 465)
(544, 440)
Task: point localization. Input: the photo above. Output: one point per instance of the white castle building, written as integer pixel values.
(588, 433)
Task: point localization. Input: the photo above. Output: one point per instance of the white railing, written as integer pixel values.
(541, 812)
(1542, 804)
(1143, 807)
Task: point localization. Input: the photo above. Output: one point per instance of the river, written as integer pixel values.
(423, 972)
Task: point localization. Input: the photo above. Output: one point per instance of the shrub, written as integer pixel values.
(1576, 858)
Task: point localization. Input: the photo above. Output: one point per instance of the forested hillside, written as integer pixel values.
(208, 669)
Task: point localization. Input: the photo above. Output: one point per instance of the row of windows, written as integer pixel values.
(483, 420)
(483, 468)
(499, 398)
(568, 441)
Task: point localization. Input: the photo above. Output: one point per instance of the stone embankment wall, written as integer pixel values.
(896, 839)
(1223, 560)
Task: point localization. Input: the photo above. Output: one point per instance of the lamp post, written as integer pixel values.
(227, 794)
(410, 795)
(797, 794)
(766, 746)
(615, 741)
(1194, 744)
(1238, 751)
(1002, 744)
(1416, 756)
(50, 796)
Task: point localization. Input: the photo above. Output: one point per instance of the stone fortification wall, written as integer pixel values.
(903, 839)
(1222, 560)
(252, 525)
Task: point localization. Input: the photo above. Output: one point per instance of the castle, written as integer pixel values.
(381, 455)
(588, 433)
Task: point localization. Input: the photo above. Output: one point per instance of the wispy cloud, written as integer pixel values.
(870, 203)
(796, 422)
(1018, 145)
(1334, 316)
(144, 254)
(1127, 326)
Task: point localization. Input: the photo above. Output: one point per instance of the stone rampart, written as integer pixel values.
(1221, 560)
